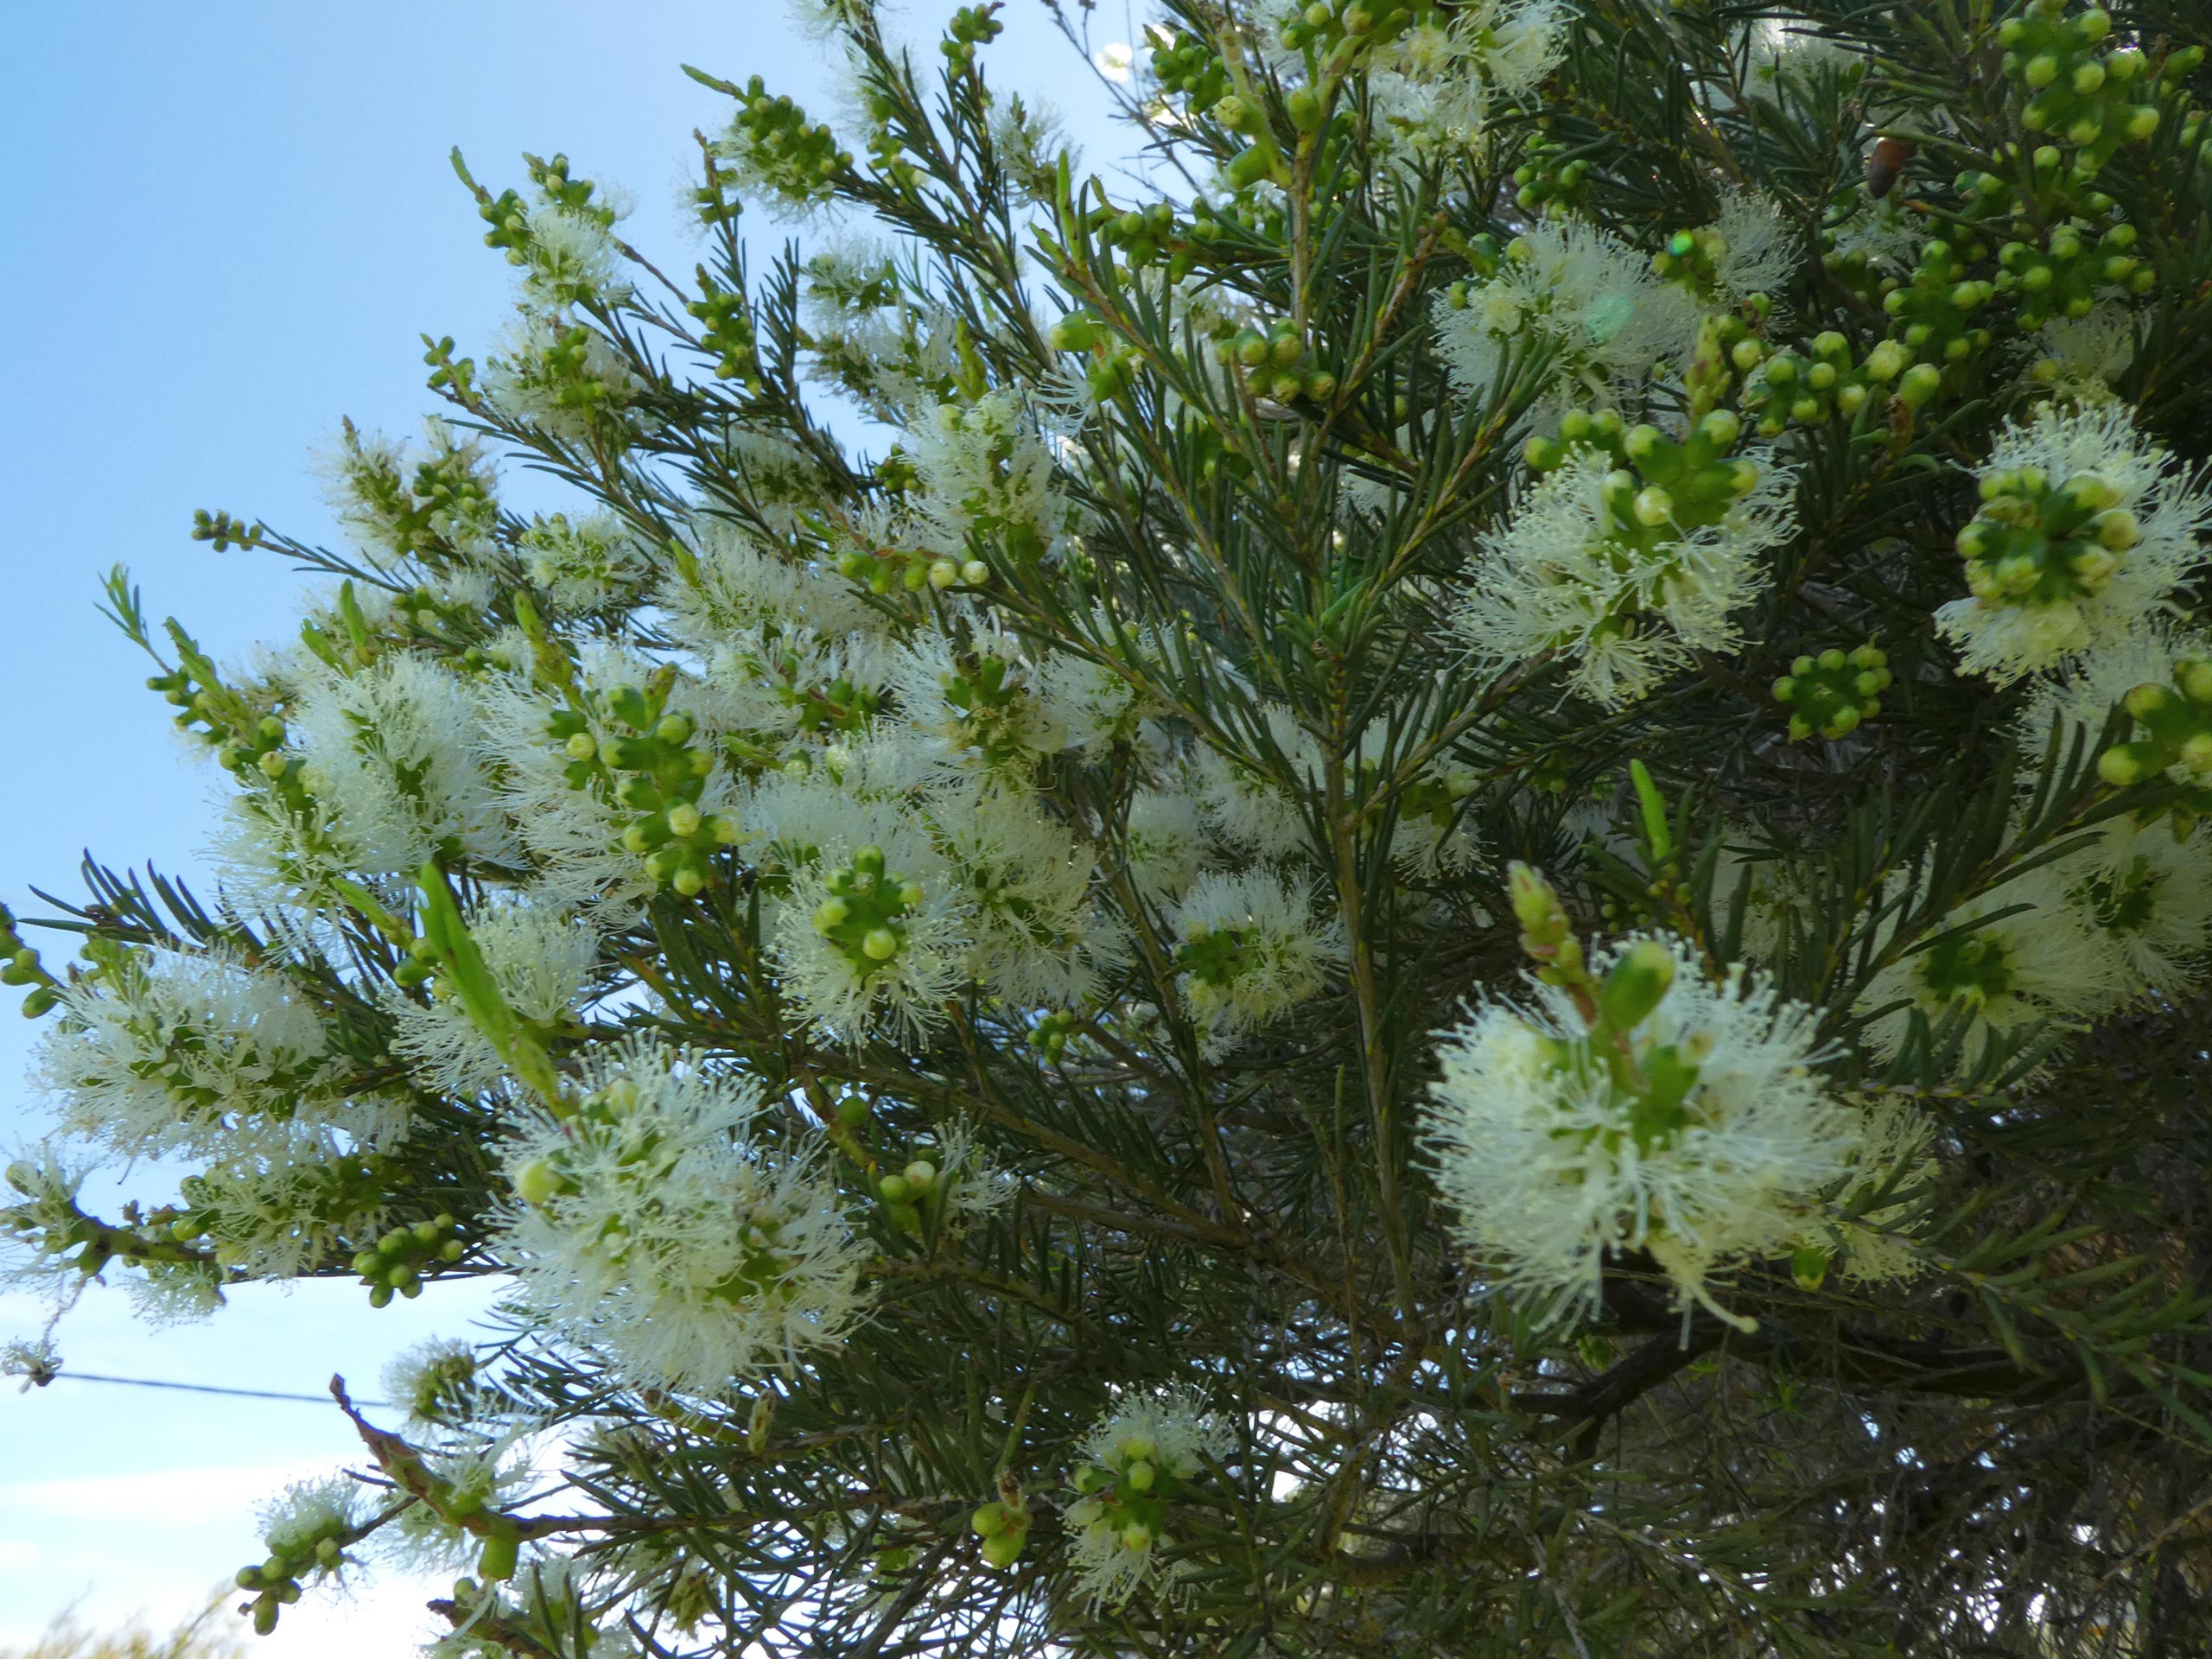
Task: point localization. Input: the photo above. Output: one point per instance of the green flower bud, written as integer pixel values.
(1636, 984)
(538, 1183)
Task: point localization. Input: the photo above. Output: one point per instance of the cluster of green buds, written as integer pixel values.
(1186, 66)
(1833, 693)
(275, 1580)
(1693, 258)
(1550, 178)
(1145, 237)
(886, 565)
(1050, 1032)
(1809, 389)
(867, 910)
(1727, 347)
(796, 159)
(395, 1264)
(1936, 307)
(2173, 731)
(1002, 1525)
(1657, 488)
(2040, 542)
(971, 27)
(561, 367)
(1276, 364)
(259, 751)
(1337, 32)
(725, 332)
(1125, 1495)
(656, 771)
(22, 967)
(2062, 277)
(225, 531)
(2092, 98)
(912, 1192)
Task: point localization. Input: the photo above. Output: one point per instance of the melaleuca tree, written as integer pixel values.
(1453, 900)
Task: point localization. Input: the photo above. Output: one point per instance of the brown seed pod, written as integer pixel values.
(1886, 163)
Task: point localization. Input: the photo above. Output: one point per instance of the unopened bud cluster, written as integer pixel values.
(867, 911)
(796, 159)
(2065, 275)
(1276, 364)
(2173, 731)
(1833, 693)
(1003, 1525)
(1936, 309)
(2093, 99)
(1808, 388)
(397, 1262)
(971, 27)
(2037, 542)
(1657, 488)
(655, 770)
(1125, 1495)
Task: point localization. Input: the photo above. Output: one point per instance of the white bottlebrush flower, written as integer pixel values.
(1091, 702)
(864, 944)
(1025, 882)
(977, 697)
(1894, 1156)
(787, 688)
(2081, 358)
(584, 564)
(1256, 812)
(571, 258)
(1132, 1462)
(396, 752)
(2144, 892)
(1885, 233)
(562, 378)
(661, 1222)
(193, 1051)
(1249, 947)
(2086, 529)
(739, 585)
(1433, 87)
(1164, 843)
(437, 1383)
(1759, 251)
(1570, 286)
(987, 475)
(1553, 1153)
(2004, 973)
(304, 1525)
(281, 1214)
(539, 955)
(1572, 570)
(1783, 52)
(397, 505)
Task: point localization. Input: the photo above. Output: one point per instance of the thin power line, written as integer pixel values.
(206, 1387)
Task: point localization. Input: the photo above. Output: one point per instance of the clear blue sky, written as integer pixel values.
(228, 224)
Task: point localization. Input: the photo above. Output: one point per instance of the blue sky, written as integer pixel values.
(231, 223)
